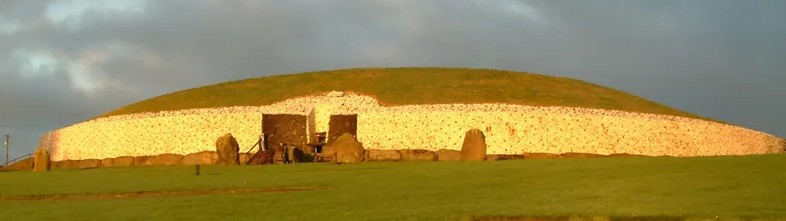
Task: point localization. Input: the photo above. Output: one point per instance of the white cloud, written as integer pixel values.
(37, 64)
(75, 13)
(84, 72)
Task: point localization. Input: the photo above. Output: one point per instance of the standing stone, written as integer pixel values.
(227, 149)
(346, 149)
(474, 147)
(41, 160)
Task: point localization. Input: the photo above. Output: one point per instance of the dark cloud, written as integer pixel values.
(64, 61)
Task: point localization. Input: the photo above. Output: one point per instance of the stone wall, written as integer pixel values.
(509, 129)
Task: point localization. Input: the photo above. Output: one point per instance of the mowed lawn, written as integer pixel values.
(726, 187)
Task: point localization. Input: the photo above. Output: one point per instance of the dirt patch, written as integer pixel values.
(160, 193)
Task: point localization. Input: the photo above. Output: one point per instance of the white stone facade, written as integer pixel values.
(509, 129)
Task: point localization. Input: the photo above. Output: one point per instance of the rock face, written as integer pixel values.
(107, 162)
(126, 161)
(418, 155)
(474, 147)
(495, 157)
(448, 155)
(383, 155)
(70, 164)
(204, 157)
(347, 149)
(143, 161)
(41, 159)
(227, 149)
(783, 146)
(89, 163)
(166, 159)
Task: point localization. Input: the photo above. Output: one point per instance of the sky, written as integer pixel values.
(65, 61)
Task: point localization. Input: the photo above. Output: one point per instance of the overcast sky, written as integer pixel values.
(65, 61)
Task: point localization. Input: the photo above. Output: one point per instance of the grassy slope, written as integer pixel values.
(397, 86)
(693, 187)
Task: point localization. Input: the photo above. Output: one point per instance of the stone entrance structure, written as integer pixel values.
(284, 128)
(340, 124)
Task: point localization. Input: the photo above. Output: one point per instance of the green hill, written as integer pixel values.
(400, 86)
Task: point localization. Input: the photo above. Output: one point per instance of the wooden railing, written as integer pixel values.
(18, 159)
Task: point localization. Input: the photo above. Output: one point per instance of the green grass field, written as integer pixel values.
(726, 187)
(399, 86)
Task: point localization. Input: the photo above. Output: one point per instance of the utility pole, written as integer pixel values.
(6, 138)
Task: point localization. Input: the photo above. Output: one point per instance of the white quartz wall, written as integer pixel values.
(509, 129)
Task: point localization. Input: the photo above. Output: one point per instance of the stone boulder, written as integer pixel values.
(541, 155)
(41, 160)
(328, 150)
(124, 161)
(227, 149)
(204, 157)
(89, 163)
(474, 147)
(143, 161)
(107, 162)
(166, 159)
(581, 155)
(495, 157)
(243, 157)
(347, 149)
(621, 155)
(418, 155)
(448, 155)
(383, 155)
(66, 164)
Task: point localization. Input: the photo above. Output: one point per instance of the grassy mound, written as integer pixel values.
(401, 86)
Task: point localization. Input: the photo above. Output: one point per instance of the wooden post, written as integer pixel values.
(197, 170)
